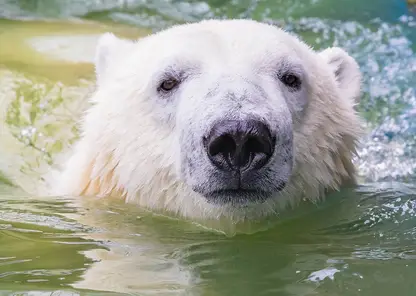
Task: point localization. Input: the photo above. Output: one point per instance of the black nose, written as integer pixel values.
(239, 145)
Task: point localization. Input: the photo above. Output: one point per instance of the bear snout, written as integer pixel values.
(246, 160)
(239, 145)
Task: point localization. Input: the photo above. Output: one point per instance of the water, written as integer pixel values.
(360, 242)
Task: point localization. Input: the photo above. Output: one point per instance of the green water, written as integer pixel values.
(362, 241)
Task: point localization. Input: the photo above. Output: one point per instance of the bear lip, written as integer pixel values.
(239, 196)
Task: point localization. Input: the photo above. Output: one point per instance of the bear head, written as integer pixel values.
(220, 118)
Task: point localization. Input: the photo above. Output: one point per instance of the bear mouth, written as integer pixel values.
(240, 196)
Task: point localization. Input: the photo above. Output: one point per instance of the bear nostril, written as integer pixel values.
(257, 145)
(222, 151)
(255, 148)
(239, 145)
(224, 144)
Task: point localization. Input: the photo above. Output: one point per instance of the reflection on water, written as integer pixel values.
(352, 243)
(360, 242)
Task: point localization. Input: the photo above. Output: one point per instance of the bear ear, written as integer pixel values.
(346, 70)
(109, 48)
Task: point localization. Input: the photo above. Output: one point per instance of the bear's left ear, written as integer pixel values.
(109, 49)
(346, 70)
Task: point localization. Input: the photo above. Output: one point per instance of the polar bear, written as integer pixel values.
(217, 119)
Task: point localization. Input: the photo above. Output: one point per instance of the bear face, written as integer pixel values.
(221, 118)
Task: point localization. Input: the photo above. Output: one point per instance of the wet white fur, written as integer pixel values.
(124, 152)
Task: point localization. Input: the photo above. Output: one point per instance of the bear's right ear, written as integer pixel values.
(109, 49)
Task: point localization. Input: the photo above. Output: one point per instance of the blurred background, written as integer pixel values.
(46, 74)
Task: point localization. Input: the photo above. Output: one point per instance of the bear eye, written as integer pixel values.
(168, 84)
(291, 80)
